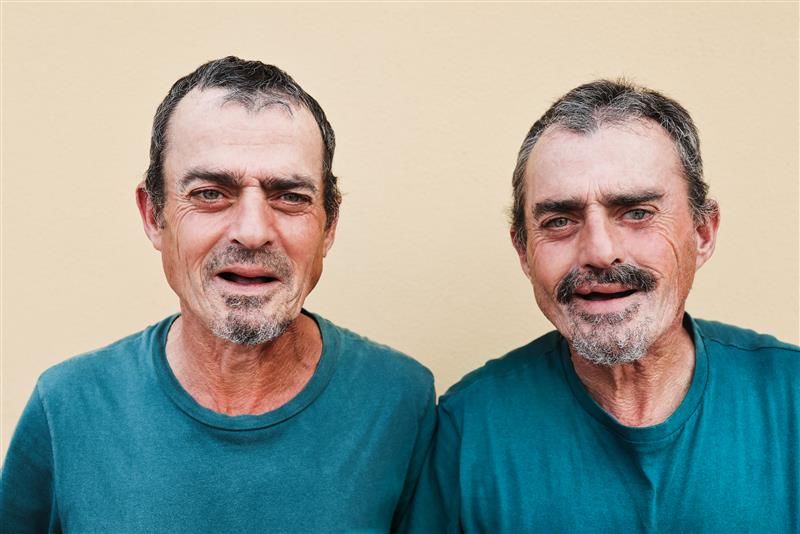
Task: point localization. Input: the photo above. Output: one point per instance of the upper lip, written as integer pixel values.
(586, 289)
(248, 271)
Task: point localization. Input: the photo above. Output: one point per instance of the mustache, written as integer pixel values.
(627, 275)
(268, 259)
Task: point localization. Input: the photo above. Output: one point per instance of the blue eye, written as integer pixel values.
(558, 222)
(637, 214)
(209, 195)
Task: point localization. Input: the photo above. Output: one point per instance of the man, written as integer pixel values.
(245, 412)
(633, 416)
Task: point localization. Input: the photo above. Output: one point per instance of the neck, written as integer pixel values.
(646, 392)
(239, 379)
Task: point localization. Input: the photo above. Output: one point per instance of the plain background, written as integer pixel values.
(430, 103)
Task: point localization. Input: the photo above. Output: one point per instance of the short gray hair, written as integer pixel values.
(590, 106)
(254, 85)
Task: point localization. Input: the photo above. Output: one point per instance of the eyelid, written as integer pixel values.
(202, 188)
(547, 222)
(302, 196)
(648, 212)
(197, 194)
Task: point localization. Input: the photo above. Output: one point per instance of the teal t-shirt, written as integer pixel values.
(522, 447)
(110, 442)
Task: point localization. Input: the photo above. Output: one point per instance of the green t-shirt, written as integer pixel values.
(110, 442)
(522, 447)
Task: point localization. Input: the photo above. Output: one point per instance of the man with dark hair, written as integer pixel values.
(244, 412)
(632, 416)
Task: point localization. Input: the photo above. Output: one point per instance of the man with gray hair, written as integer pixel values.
(244, 412)
(632, 416)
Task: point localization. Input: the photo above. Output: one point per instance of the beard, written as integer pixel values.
(612, 338)
(244, 323)
(608, 338)
(245, 319)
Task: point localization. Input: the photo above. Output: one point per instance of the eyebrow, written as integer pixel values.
(232, 180)
(571, 205)
(567, 205)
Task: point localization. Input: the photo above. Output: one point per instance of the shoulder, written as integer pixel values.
(116, 362)
(749, 359)
(370, 359)
(730, 338)
(527, 370)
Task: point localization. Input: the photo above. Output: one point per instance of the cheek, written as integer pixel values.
(672, 259)
(550, 262)
(193, 237)
(304, 246)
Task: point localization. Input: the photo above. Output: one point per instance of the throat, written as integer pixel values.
(643, 393)
(233, 379)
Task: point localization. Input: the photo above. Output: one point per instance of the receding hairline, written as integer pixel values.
(624, 124)
(224, 97)
(292, 107)
(220, 97)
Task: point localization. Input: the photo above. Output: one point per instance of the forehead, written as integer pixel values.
(617, 158)
(206, 130)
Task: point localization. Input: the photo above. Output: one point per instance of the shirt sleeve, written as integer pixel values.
(437, 503)
(27, 496)
(427, 426)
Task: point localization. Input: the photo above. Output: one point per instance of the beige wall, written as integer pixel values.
(430, 103)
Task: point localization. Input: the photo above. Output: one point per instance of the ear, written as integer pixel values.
(152, 227)
(330, 236)
(522, 252)
(706, 233)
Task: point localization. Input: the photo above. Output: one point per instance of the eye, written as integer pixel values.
(207, 195)
(557, 222)
(294, 198)
(637, 214)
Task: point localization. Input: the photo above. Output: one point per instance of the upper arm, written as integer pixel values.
(27, 495)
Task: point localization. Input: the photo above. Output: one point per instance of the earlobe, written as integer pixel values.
(706, 233)
(522, 253)
(152, 227)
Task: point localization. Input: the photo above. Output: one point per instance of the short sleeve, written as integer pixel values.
(427, 426)
(436, 504)
(27, 497)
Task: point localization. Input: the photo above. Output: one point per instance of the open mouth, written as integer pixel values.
(246, 280)
(606, 296)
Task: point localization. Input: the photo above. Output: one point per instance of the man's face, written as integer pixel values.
(612, 245)
(243, 231)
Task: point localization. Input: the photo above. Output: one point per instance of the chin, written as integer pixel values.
(609, 341)
(243, 330)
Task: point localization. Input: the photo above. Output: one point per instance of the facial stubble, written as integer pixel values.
(608, 338)
(243, 320)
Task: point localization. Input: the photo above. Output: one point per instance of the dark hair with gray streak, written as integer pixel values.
(590, 106)
(254, 85)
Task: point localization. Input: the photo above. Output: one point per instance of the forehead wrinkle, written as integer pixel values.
(236, 178)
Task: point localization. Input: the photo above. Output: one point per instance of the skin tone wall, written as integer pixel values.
(430, 103)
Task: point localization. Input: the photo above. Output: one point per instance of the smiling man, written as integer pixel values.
(244, 412)
(632, 416)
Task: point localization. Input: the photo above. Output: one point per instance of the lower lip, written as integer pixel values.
(251, 289)
(597, 307)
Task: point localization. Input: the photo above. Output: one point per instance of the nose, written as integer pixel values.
(600, 246)
(253, 226)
